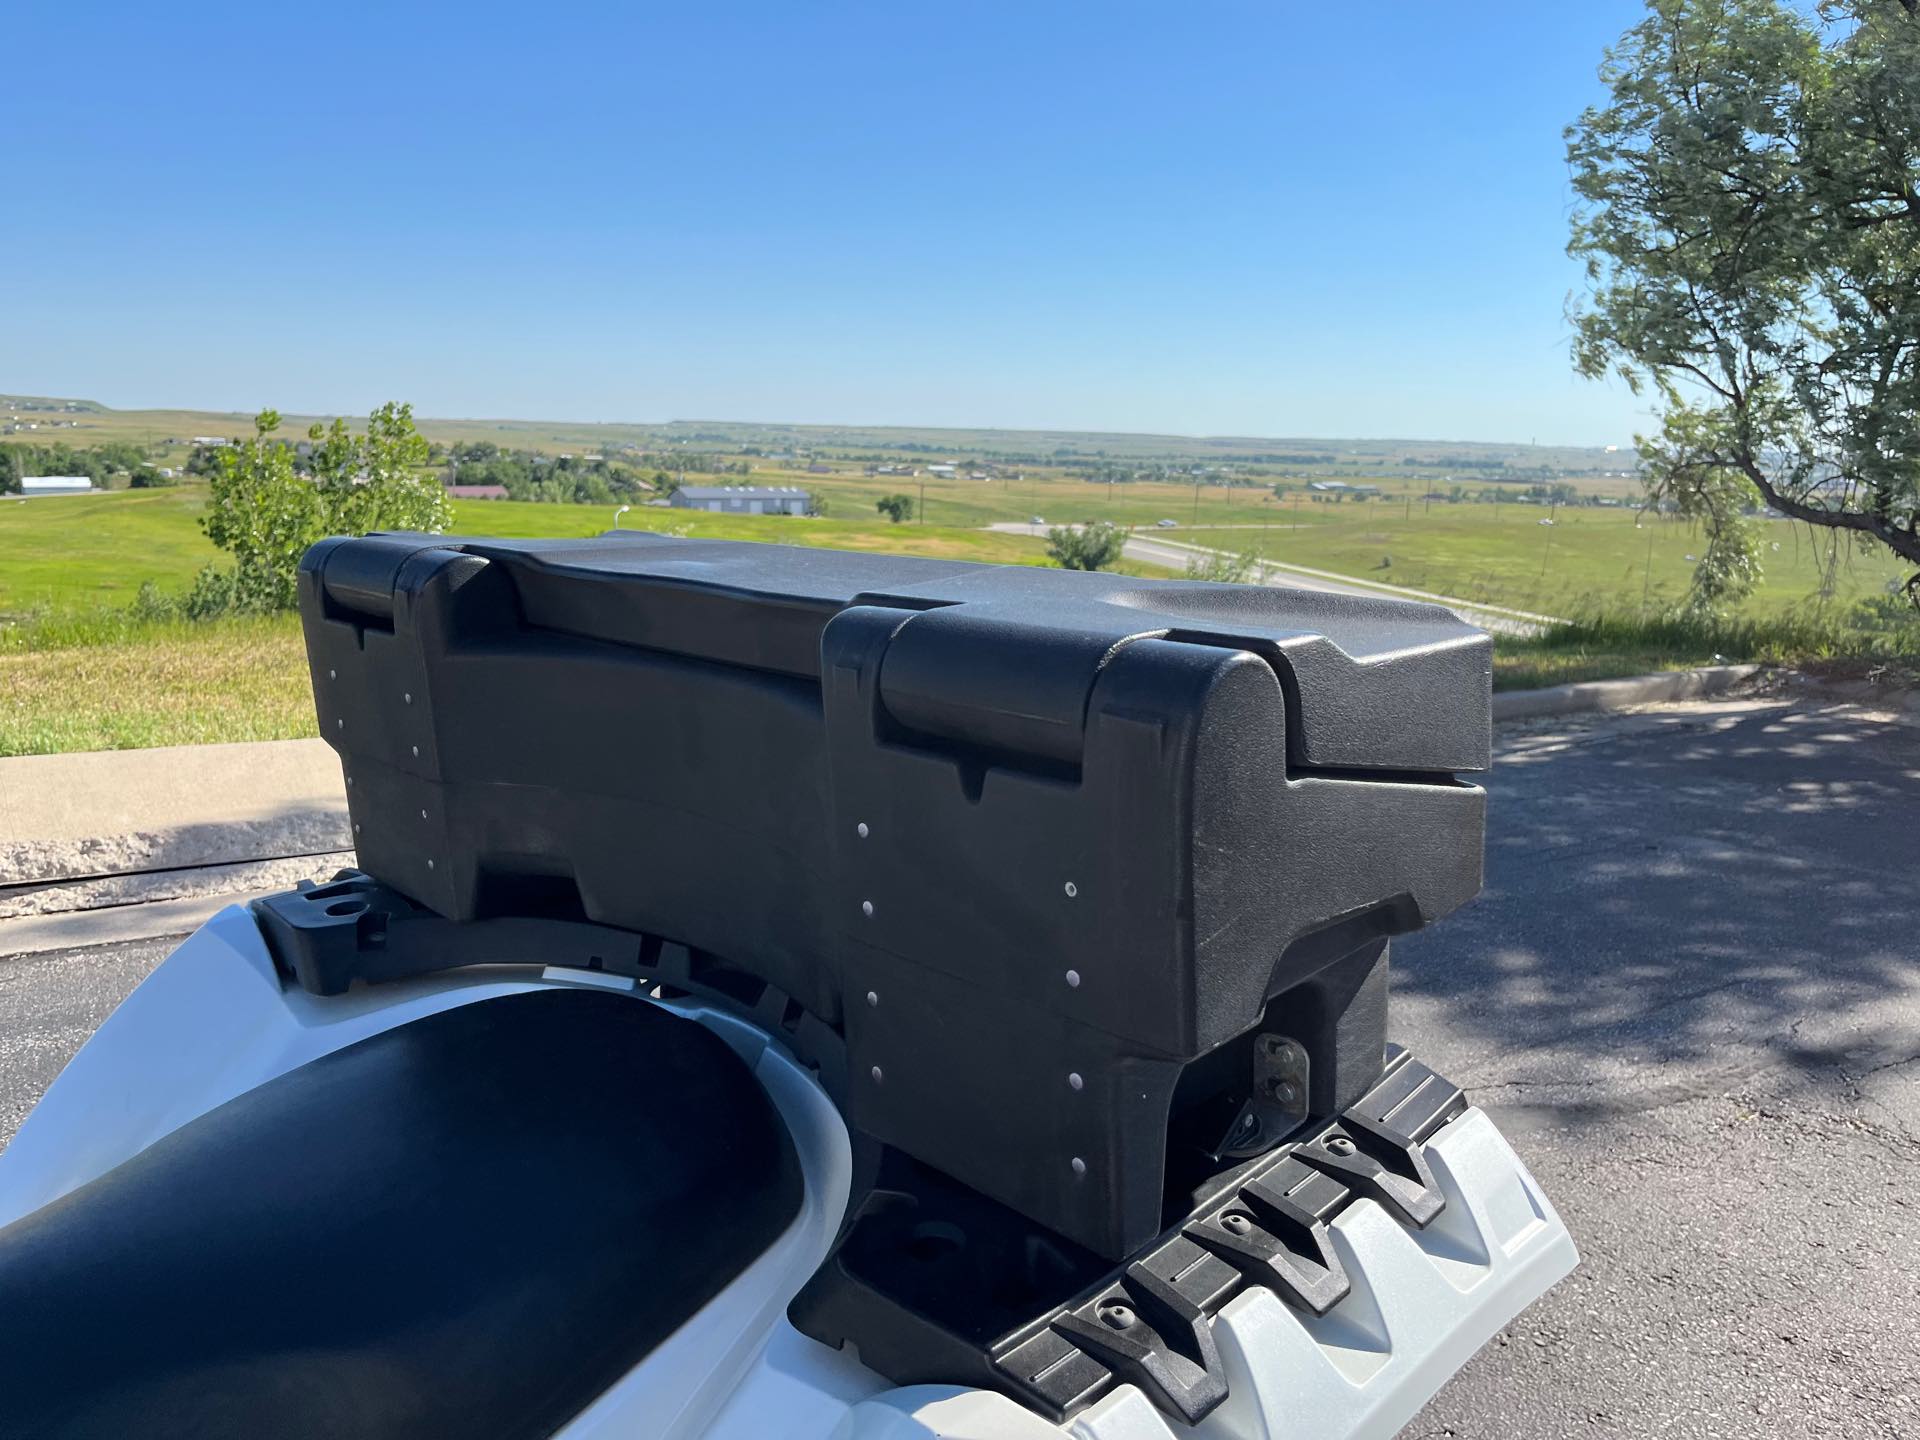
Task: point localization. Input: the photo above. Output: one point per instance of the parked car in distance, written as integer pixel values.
(1166, 524)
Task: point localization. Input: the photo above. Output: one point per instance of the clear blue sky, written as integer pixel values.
(1265, 218)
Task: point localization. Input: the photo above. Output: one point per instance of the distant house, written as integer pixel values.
(477, 492)
(33, 485)
(212, 442)
(945, 470)
(743, 499)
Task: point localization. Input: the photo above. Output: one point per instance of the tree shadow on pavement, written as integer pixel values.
(1683, 899)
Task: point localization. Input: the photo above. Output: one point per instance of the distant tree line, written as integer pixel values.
(101, 464)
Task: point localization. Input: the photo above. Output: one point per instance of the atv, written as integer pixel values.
(797, 993)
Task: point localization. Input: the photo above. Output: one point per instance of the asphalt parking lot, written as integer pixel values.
(1691, 995)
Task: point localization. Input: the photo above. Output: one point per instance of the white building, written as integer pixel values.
(33, 485)
(743, 500)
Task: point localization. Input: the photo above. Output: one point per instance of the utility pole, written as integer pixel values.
(1196, 499)
(923, 499)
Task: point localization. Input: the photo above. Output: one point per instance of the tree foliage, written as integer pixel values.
(1750, 223)
(895, 507)
(1092, 546)
(1223, 567)
(264, 513)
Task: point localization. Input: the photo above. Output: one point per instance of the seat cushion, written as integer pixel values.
(469, 1226)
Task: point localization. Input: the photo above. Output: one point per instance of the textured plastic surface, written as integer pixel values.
(995, 824)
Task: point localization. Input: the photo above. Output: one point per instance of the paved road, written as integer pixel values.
(1691, 993)
(1160, 548)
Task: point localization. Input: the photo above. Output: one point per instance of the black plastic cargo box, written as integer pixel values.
(1048, 849)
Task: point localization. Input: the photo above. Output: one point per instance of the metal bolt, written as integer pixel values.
(429, 864)
(408, 697)
(861, 829)
(416, 752)
(1120, 1317)
(866, 908)
(875, 1072)
(1074, 1082)
(1339, 1145)
(1073, 979)
(340, 724)
(873, 999)
(423, 814)
(333, 674)
(1282, 1091)
(1079, 1166)
(1236, 1222)
(1072, 889)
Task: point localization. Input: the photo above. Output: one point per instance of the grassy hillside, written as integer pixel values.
(69, 554)
(1587, 559)
(135, 685)
(78, 671)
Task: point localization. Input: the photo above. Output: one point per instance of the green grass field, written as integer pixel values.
(1587, 559)
(133, 685)
(1052, 497)
(78, 672)
(69, 555)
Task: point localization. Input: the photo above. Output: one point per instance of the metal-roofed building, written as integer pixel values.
(56, 485)
(744, 499)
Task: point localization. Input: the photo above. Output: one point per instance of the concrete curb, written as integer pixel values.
(1592, 695)
(69, 818)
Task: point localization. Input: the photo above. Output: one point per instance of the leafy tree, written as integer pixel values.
(1750, 222)
(374, 481)
(265, 515)
(1224, 568)
(1092, 546)
(145, 477)
(895, 507)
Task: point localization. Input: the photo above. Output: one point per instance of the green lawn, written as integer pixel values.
(136, 685)
(74, 554)
(1054, 498)
(77, 673)
(1587, 559)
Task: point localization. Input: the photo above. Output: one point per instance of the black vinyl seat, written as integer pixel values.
(469, 1226)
